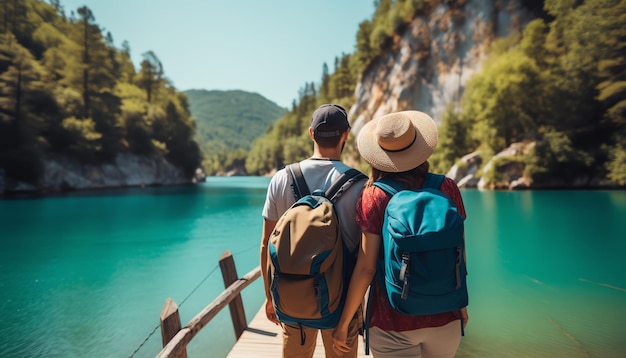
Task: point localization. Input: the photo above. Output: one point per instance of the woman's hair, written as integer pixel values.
(406, 179)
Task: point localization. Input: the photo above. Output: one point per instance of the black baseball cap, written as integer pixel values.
(329, 120)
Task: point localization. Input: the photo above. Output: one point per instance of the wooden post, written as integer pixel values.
(170, 324)
(229, 274)
(185, 335)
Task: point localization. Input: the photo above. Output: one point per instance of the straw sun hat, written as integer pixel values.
(398, 141)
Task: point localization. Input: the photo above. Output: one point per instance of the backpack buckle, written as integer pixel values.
(457, 267)
(317, 288)
(404, 275)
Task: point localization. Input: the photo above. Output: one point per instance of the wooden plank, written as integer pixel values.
(263, 338)
(184, 336)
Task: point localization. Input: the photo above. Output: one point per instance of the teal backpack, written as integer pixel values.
(424, 251)
(423, 267)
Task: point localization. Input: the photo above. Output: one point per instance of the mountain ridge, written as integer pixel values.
(227, 122)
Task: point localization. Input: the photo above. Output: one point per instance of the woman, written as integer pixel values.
(396, 146)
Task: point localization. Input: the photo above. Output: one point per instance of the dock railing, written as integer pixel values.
(176, 338)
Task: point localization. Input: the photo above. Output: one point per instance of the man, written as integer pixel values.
(329, 131)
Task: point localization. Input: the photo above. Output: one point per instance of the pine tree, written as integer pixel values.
(21, 88)
(150, 75)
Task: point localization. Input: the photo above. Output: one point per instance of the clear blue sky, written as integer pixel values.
(271, 47)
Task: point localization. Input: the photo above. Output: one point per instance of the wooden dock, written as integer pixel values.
(263, 338)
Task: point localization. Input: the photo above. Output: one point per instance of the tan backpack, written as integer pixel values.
(309, 267)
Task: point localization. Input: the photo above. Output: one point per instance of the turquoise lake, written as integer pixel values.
(87, 274)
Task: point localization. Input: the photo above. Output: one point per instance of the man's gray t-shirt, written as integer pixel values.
(318, 174)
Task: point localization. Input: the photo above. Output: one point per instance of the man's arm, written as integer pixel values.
(268, 227)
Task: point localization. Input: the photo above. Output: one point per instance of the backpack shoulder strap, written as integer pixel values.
(342, 184)
(388, 186)
(298, 186)
(433, 181)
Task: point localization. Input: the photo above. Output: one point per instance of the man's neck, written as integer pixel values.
(326, 153)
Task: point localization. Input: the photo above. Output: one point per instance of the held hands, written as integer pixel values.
(270, 312)
(340, 345)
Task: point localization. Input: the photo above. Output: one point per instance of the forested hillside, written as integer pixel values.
(555, 84)
(227, 122)
(66, 90)
(558, 83)
(288, 139)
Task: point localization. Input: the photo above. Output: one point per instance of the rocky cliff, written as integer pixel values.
(127, 170)
(429, 65)
(509, 168)
(431, 62)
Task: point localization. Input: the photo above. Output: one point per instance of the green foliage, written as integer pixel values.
(365, 51)
(559, 84)
(559, 8)
(65, 88)
(228, 122)
(612, 92)
(616, 165)
(454, 142)
(550, 85)
(496, 174)
(175, 128)
(555, 156)
(234, 160)
(533, 42)
(139, 134)
(24, 99)
(83, 129)
(83, 136)
(297, 148)
(150, 77)
(264, 156)
(288, 139)
(390, 19)
(502, 100)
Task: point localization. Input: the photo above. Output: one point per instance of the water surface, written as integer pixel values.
(87, 274)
